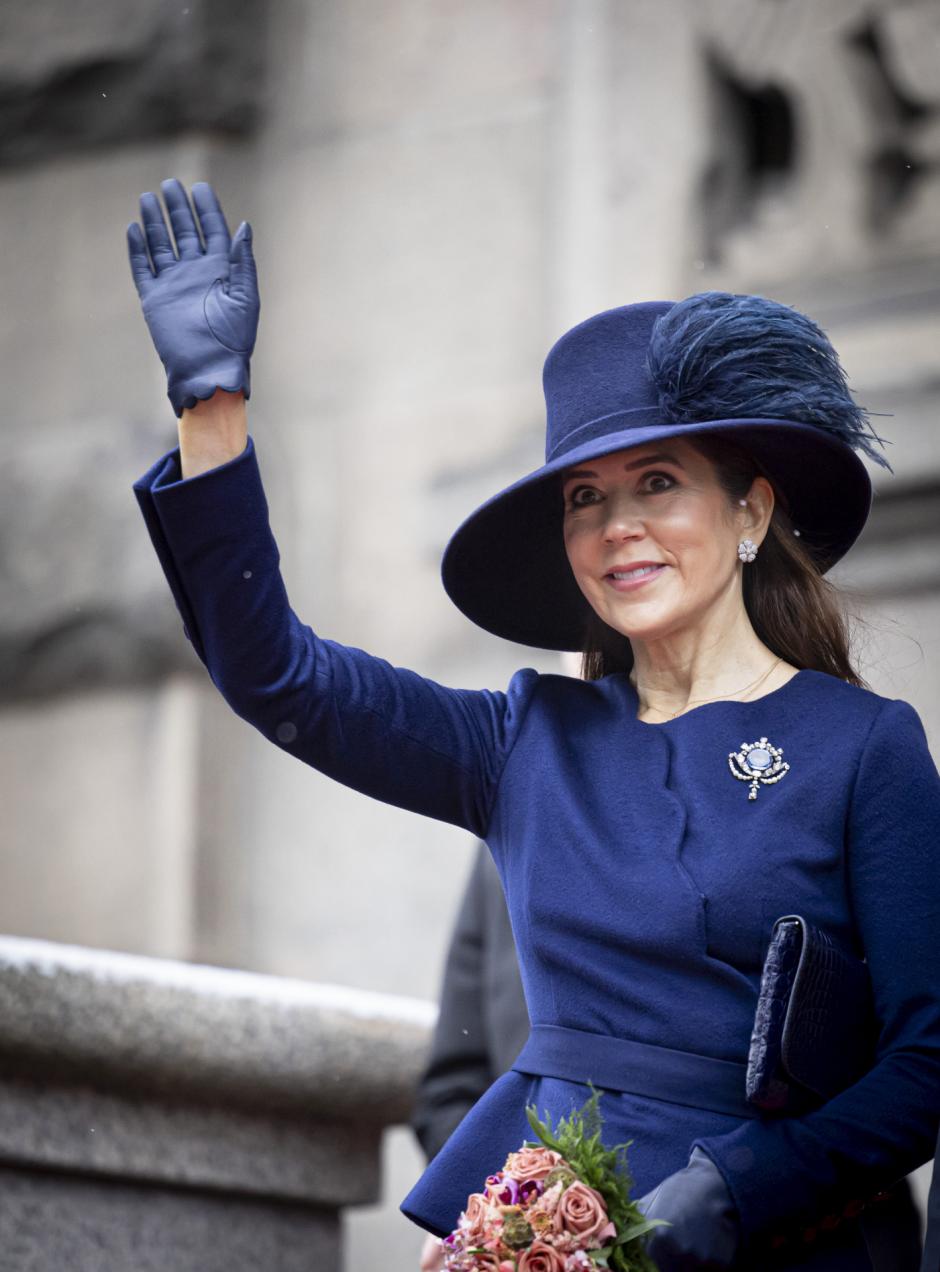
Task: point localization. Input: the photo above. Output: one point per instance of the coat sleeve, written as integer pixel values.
(458, 1069)
(382, 730)
(791, 1171)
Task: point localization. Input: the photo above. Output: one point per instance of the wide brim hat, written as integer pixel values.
(752, 369)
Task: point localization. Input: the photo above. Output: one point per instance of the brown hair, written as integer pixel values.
(794, 610)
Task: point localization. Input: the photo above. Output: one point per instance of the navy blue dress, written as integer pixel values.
(641, 880)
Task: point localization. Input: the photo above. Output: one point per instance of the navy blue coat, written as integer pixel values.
(641, 881)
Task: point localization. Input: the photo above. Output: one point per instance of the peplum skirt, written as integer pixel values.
(661, 1100)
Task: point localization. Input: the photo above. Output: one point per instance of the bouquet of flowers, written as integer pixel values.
(560, 1204)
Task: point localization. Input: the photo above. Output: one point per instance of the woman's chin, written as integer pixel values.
(638, 627)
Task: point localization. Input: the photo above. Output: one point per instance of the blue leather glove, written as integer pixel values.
(704, 1231)
(201, 301)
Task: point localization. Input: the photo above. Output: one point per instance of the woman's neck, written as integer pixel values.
(675, 672)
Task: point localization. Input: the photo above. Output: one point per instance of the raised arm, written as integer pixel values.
(382, 730)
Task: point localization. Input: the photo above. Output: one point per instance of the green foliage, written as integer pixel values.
(578, 1139)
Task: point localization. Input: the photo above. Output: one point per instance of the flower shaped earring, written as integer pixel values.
(747, 550)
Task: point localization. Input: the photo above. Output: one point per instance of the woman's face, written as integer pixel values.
(652, 537)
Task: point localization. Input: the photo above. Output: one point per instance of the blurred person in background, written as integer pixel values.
(931, 1259)
(702, 474)
(483, 1021)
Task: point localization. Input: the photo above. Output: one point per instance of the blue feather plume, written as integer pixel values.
(716, 355)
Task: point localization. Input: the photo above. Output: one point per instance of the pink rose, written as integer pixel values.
(541, 1258)
(478, 1215)
(583, 1212)
(531, 1163)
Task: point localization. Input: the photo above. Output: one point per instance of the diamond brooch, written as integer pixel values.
(758, 763)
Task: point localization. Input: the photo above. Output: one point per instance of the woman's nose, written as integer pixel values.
(621, 520)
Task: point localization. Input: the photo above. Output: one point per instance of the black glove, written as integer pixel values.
(704, 1231)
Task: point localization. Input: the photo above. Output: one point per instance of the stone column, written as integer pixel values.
(162, 1115)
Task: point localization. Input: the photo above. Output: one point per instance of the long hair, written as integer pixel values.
(792, 607)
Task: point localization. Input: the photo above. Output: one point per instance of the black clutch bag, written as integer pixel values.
(814, 1029)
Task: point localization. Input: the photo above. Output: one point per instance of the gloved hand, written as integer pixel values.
(201, 305)
(704, 1231)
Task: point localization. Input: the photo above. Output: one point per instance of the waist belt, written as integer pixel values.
(621, 1064)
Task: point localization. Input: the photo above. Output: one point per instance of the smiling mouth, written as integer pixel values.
(638, 573)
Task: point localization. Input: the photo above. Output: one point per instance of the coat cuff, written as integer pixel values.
(775, 1208)
(168, 500)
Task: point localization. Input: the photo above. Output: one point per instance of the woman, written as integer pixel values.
(701, 475)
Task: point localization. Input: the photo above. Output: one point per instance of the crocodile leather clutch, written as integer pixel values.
(814, 1029)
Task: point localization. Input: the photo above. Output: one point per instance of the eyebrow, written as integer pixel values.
(663, 458)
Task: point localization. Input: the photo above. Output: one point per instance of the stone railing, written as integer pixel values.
(160, 1115)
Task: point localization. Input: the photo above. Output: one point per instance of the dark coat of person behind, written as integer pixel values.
(483, 1021)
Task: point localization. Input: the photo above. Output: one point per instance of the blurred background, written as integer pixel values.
(438, 189)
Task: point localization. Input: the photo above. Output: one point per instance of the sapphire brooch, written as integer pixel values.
(758, 763)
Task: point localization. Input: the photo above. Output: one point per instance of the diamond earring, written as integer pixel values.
(747, 550)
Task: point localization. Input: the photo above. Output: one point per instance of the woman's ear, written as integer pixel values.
(756, 509)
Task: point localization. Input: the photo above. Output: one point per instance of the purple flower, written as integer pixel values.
(531, 1188)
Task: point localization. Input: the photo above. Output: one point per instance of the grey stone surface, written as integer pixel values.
(79, 73)
(50, 1222)
(76, 615)
(58, 1123)
(166, 1115)
(261, 1042)
(84, 860)
(83, 599)
(898, 555)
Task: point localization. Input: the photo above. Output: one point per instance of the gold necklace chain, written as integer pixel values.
(700, 701)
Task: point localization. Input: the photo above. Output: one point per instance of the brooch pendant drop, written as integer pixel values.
(759, 763)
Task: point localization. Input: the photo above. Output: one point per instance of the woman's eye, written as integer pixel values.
(581, 495)
(655, 482)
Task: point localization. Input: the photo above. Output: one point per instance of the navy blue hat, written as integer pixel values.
(750, 368)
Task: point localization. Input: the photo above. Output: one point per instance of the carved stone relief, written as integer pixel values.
(82, 73)
(825, 135)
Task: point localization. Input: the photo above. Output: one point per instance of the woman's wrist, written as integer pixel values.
(212, 432)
